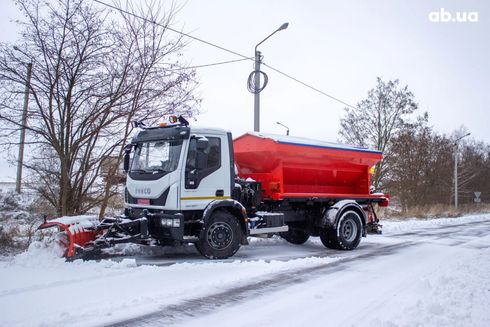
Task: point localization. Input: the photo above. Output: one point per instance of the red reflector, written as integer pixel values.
(384, 203)
(275, 186)
(145, 202)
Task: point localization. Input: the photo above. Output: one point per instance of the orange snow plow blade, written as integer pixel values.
(79, 231)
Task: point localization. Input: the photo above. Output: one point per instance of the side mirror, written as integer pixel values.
(202, 144)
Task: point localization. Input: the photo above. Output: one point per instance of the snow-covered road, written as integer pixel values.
(419, 273)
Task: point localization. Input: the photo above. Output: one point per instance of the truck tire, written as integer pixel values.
(295, 236)
(347, 235)
(220, 237)
(326, 236)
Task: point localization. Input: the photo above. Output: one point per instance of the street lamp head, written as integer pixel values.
(283, 27)
(287, 128)
(16, 48)
(459, 138)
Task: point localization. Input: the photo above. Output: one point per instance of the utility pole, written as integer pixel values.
(23, 130)
(456, 170)
(456, 177)
(257, 88)
(257, 91)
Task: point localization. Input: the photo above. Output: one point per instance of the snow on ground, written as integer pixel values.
(420, 286)
(410, 224)
(419, 273)
(39, 288)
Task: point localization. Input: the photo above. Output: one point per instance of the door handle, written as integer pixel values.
(220, 193)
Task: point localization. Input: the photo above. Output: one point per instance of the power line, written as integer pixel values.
(309, 86)
(209, 65)
(171, 29)
(223, 49)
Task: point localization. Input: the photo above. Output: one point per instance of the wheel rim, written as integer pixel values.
(220, 235)
(349, 230)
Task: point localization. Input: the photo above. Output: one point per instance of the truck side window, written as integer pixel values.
(214, 153)
(193, 174)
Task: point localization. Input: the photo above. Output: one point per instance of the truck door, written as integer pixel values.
(206, 173)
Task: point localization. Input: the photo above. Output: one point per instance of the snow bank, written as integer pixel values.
(405, 225)
(447, 297)
(454, 294)
(41, 254)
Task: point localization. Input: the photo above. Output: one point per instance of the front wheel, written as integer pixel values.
(220, 237)
(347, 235)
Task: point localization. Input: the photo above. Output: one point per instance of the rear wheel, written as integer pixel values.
(295, 236)
(347, 235)
(327, 236)
(220, 237)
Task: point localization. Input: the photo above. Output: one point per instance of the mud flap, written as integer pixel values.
(374, 228)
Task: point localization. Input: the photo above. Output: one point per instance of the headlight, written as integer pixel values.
(169, 222)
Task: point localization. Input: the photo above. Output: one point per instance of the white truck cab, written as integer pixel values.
(180, 181)
(180, 168)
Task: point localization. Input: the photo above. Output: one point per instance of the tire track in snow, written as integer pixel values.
(172, 314)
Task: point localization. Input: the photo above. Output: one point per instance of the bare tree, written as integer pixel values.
(377, 119)
(473, 170)
(419, 173)
(94, 71)
(421, 167)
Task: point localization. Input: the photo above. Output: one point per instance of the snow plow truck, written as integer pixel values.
(197, 185)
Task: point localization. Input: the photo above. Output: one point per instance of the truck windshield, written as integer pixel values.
(156, 157)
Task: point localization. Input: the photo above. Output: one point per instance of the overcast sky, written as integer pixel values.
(339, 47)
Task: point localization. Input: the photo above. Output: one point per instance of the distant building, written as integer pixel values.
(9, 187)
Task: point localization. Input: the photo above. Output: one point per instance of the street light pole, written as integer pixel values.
(257, 90)
(20, 158)
(287, 128)
(456, 170)
(456, 177)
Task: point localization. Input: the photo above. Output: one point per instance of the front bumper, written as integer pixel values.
(169, 226)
